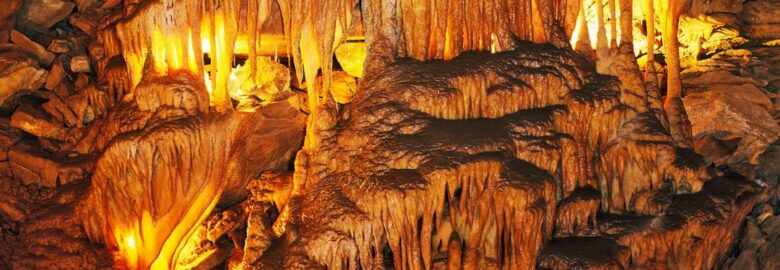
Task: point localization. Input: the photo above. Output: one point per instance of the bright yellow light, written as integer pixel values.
(130, 241)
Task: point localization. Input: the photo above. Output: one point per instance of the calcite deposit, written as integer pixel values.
(389, 134)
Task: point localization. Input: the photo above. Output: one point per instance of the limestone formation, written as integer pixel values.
(389, 134)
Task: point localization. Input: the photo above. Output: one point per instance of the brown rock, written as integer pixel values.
(8, 13)
(64, 89)
(58, 109)
(728, 112)
(18, 73)
(12, 208)
(763, 31)
(80, 64)
(32, 48)
(746, 261)
(82, 80)
(761, 11)
(771, 226)
(84, 21)
(32, 166)
(56, 74)
(770, 256)
(58, 46)
(86, 4)
(713, 7)
(43, 14)
(36, 122)
(753, 237)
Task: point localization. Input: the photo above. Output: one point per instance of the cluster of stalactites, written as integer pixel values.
(605, 25)
(444, 29)
(166, 36)
(162, 35)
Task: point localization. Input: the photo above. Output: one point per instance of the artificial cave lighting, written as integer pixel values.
(389, 134)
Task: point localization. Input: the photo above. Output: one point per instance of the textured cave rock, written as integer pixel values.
(167, 155)
(419, 152)
(18, 73)
(473, 147)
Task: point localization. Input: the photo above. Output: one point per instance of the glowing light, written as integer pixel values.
(493, 43)
(130, 240)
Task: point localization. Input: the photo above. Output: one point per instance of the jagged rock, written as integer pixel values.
(58, 46)
(38, 123)
(727, 112)
(56, 74)
(86, 21)
(18, 73)
(57, 108)
(42, 14)
(32, 48)
(33, 165)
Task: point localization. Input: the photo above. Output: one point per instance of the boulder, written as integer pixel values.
(32, 48)
(38, 123)
(727, 112)
(79, 64)
(43, 14)
(18, 73)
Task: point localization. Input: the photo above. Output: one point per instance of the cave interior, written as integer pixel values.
(389, 134)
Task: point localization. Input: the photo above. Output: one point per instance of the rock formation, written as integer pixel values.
(377, 134)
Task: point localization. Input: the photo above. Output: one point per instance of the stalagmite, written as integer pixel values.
(679, 125)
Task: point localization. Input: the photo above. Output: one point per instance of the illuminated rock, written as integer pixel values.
(742, 111)
(18, 73)
(351, 57)
(472, 147)
(174, 129)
